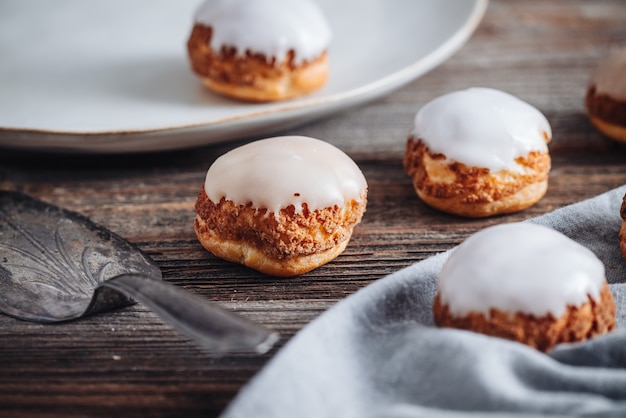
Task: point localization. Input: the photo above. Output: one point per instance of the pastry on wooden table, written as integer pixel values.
(479, 152)
(606, 96)
(282, 205)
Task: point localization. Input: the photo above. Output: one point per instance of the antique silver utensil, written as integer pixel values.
(57, 265)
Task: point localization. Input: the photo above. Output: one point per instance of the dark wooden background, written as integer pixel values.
(129, 363)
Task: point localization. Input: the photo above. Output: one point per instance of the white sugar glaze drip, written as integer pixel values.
(275, 173)
(270, 27)
(482, 127)
(610, 76)
(519, 267)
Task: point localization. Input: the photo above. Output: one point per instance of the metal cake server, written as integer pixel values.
(57, 265)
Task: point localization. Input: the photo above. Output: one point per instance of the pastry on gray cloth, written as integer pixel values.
(378, 354)
(622, 229)
(525, 282)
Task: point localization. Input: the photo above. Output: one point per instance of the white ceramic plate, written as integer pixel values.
(113, 76)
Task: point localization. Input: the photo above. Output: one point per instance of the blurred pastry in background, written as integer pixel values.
(260, 50)
(606, 96)
(479, 152)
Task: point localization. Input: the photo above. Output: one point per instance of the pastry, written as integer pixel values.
(606, 96)
(622, 230)
(479, 152)
(526, 283)
(282, 205)
(260, 50)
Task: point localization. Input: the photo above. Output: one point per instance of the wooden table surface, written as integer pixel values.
(129, 363)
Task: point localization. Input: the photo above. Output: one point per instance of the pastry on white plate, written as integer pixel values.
(260, 50)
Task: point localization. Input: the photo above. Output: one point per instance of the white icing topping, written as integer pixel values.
(275, 173)
(270, 27)
(519, 267)
(610, 76)
(482, 127)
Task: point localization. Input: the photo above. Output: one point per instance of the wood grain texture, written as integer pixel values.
(129, 363)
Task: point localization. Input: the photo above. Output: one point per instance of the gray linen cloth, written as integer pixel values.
(377, 353)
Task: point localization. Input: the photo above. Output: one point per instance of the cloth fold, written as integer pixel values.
(378, 354)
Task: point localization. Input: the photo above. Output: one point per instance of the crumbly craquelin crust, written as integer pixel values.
(459, 189)
(284, 245)
(576, 324)
(252, 76)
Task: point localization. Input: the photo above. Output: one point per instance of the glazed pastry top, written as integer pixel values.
(482, 127)
(270, 27)
(275, 173)
(519, 267)
(610, 76)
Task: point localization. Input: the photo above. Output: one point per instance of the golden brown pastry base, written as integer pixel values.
(608, 115)
(243, 252)
(475, 192)
(289, 245)
(252, 77)
(576, 324)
